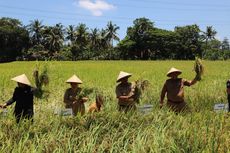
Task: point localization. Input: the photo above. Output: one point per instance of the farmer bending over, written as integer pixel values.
(23, 95)
(96, 106)
(71, 98)
(174, 87)
(125, 92)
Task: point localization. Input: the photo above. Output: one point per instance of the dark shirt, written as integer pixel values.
(125, 89)
(24, 100)
(228, 87)
(228, 84)
(71, 96)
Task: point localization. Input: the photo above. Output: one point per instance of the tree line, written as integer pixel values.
(143, 41)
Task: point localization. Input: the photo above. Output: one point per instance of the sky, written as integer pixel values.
(165, 14)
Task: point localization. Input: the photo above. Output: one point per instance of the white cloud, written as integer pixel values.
(96, 7)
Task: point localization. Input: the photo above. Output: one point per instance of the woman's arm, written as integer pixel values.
(11, 100)
(7, 103)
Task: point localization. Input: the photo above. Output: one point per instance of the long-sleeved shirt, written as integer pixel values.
(125, 89)
(70, 96)
(228, 87)
(24, 100)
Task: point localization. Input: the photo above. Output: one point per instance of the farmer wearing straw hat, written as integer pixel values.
(71, 99)
(228, 93)
(125, 92)
(174, 87)
(23, 95)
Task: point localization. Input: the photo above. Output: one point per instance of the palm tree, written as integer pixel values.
(104, 42)
(81, 37)
(71, 33)
(35, 28)
(209, 34)
(81, 34)
(94, 37)
(59, 30)
(53, 39)
(111, 33)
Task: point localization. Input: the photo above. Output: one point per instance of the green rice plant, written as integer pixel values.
(201, 130)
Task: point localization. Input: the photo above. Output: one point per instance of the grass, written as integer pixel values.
(202, 130)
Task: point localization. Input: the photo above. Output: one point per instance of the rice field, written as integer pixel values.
(201, 130)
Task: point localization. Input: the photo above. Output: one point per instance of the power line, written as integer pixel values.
(48, 11)
(182, 3)
(56, 17)
(130, 6)
(174, 8)
(157, 22)
(85, 15)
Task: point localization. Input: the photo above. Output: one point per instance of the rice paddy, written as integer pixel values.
(201, 130)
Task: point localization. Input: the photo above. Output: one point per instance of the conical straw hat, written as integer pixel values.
(74, 79)
(123, 75)
(173, 70)
(22, 79)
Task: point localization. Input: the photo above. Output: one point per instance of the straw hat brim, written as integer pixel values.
(22, 79)
(74, 82)
(128, 76)
(74, 79)
(173, 70)
(177, 72)
(122, 75)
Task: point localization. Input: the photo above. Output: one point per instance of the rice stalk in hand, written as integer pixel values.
(85, 93)
(139, 87)
(40, 81)
(198, 68)
(44, 78)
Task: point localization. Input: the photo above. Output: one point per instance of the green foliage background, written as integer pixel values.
(202, 130)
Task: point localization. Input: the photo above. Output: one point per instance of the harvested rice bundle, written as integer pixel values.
(85, 92)
(198, 68)
(139, 87)
(44, 78)
(41, 81)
